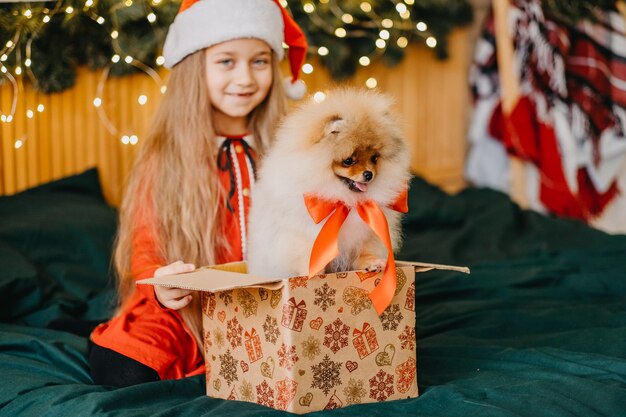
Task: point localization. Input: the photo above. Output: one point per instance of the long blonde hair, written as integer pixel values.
(174, 185)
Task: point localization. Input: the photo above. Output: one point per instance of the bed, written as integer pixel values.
(538, 328)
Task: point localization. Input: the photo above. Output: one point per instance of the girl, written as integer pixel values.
(188, 195)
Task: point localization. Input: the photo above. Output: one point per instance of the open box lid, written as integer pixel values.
(233, 275)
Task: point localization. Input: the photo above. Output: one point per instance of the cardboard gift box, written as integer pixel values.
(305, 344)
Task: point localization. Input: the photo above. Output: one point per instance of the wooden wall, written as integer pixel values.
(68, 136)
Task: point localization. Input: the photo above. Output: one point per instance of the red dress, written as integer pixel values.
(156, 336)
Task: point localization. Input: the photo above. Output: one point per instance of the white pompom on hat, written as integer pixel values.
(203, 23)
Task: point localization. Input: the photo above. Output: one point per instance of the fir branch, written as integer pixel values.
(83, 36)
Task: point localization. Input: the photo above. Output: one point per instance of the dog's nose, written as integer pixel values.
(368, 175)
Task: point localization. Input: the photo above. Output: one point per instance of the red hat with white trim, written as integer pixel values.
(203, 23)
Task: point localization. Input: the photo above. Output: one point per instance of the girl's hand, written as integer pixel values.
(173, 298)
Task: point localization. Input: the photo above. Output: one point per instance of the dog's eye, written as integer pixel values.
(374, 158)
(348, 162)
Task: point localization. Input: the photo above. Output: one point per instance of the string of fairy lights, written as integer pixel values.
(399, 29)
(404, 26)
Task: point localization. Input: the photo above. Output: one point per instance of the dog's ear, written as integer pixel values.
(334, 124)
(329, 127)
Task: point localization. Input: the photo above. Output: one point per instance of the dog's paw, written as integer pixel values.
(377, 266)
(372, 264)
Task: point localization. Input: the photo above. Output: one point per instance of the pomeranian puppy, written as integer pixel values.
(348, 148)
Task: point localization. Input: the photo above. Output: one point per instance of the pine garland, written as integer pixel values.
(94, 32)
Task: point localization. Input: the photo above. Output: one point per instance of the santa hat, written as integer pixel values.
(202, 23)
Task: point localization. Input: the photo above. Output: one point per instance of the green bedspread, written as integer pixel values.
(537, 329)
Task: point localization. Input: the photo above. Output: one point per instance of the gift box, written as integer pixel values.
(306, 343)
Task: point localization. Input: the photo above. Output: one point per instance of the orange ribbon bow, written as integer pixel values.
(326, 248)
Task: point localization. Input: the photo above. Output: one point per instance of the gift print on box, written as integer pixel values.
(294, 314)
(253, 346)
(317, 347)
(365, 341)
(311, 344)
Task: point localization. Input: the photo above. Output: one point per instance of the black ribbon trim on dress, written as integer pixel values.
(225, 164)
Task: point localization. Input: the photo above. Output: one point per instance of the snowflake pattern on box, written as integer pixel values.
(391, 317)
(219, 338)
(326, 375)
(311, 348)
(354, 392)
(381, 386)
(325, 297)
(247, 302)
(407, 338)
(226, 297)
(314, 343)
(336, 335)
(233, 332)
(245, 391)
(228, 368)
(265, 394)
(287, 356)
(298, 282)
(270, 328)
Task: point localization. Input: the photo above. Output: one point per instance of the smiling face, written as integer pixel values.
(239, 78)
